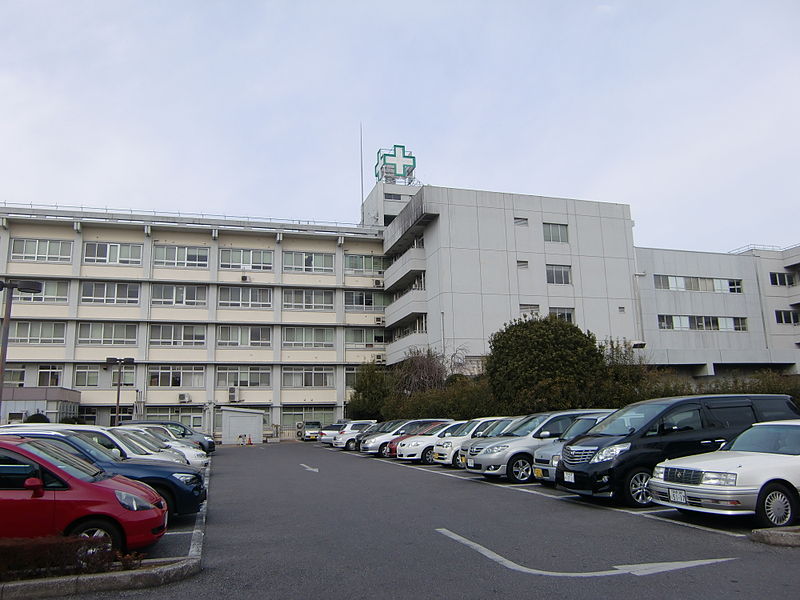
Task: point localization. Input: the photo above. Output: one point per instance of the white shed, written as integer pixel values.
(237, 422)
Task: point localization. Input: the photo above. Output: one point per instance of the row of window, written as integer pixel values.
(702, 323)
(185, 335)
(557, 274)
(782, 278)
(698, 284)
(553, 232)
(103, 292)
(566, 314)
(114, 253)
(186, 376)
(787, 317)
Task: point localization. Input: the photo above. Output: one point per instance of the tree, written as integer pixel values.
(544, 364)
(421, 370)
(36, 418)
(373, 386)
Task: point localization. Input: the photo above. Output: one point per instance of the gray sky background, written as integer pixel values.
(686, 110)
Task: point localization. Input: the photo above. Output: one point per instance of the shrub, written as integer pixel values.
(52, 556)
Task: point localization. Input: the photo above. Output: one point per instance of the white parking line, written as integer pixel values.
(196, 544)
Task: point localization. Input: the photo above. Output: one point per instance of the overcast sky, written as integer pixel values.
(689, 111)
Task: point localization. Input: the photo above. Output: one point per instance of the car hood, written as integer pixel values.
(731, 461)
(553, 447)
(598, 441)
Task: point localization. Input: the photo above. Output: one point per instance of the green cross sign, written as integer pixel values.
(404, 162)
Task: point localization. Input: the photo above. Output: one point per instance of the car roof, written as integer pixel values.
(793, 422)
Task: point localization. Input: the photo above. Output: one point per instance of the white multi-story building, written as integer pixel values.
(277, 315)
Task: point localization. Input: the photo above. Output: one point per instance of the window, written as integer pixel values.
(36, 332)
(244, 376)
(350, 374)
(243, 336)
(733, 416)
(391, 196)
(109, 253)
(50, 375)
(14, 377)
(53, 292)
(308, 262)
(300, 377)
(682, 420)
(787, 317)
(107, 334)
(180, 256)
(531, 309)
(522, 264)
(365, 301)
(308, 299)
(418, 325)
(87, 375)
(365, 264)
(559, 274)
(308, 337)
(245, 260)
(521, 221)
(98, 292)
(128, 375)
(182, 376)
(178, 295)
(565, 314)
(15, 470)
(41, 250)
(661, 282)
(177, 335)
(702, 323)
(734, 286)
(370, 337)
(785, 279)
(245, 297)
(555, 232)
(697, 284)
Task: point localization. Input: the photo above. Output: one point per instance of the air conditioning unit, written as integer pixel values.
(245, 278)
(378, 283)
(380, 359)
(380, 321)
(233, 394)
(184, 398)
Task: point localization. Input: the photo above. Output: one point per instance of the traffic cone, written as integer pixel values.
(249, 441)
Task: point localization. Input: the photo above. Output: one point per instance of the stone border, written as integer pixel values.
(152, 573)
(777, 536)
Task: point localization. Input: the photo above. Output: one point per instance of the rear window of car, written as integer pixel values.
(733, 416)
(775, 409)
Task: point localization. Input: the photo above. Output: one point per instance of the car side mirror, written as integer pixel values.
(448, 434)
(35, 485)
(117, 452)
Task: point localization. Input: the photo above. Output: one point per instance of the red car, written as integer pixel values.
(391, 448)
(45, 491)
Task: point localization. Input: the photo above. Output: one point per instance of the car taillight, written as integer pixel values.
(341, 432)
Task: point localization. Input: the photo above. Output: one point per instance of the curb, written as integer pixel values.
(97, 582)
(778, 536)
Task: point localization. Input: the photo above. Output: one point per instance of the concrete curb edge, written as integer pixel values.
(778, 536)
(96, 582)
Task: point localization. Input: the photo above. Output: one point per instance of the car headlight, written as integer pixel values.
(554, 460)
(447, 444)
(495, 449)
(715, 478)
(132, 502)
(414, 444)
(187, 478)
(658, 472)
(610, 452)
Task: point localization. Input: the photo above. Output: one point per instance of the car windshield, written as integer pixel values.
(450, 428)
(578, 427)
(360, 427)
(142, 439)
(389, 426)
(772, 439)
(335, 427)
(627, 420)
(78, 468)
(157, 434)
(436, 429)
(131, 443)
(374, 428)
(497, 428)
(465, 428)
(527, 426)
(93, 449)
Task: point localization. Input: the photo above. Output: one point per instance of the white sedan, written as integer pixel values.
(758, 472)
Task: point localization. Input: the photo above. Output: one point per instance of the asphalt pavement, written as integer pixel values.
(295, 520)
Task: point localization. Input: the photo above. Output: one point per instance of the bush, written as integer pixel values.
(53, 556)
(36, 418)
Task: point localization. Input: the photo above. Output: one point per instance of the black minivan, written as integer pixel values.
(616, 457)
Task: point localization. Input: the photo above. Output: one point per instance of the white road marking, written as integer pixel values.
(196, 544)
(640, 569)
(307, 468)
(180, 532)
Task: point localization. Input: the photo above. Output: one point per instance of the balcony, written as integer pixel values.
(408, 225)
(396, 351)
(405, 269)
(414, 302)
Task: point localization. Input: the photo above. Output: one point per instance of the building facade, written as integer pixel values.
(276, 316)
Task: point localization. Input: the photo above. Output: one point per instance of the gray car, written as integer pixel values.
(547, 457)
(512, 454)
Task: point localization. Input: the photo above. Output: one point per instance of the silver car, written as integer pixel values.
(547, 457)
(512, 454)
(496, 429)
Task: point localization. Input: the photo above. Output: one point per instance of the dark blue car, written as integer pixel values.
(181, 486)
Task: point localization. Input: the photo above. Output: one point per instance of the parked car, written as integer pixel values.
(327, 433)
(445, 451)
(547, 457)
(371, 430)
(181, 487)
(149, 443)
(346, 437)
(379, 442)
(496, 429)
(44, 491)
(182, 431)
(193, 454)
(311, 430)
(758, 472)
(422, 429)
(420, 447)
(512, 453)
(617, 456)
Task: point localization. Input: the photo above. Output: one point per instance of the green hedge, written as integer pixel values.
(53, 556)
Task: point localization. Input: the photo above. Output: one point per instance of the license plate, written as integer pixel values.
(538, 473)
(569, 477)
(677, 496)
(470, 462)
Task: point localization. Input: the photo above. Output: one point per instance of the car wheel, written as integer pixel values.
(776, 506)
(99, 529)
(455, 463)
(520, 469)
(168, 498)
(426, 458)
(350, 445)
(635, 492)
(384, 450)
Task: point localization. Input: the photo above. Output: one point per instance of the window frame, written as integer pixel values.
(90, 338)
(290, 264)
(245, 265)
(38, 255)
(184, 257)
(118, 248)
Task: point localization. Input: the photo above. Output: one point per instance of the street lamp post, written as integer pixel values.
(29, 287)
(111, 360)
